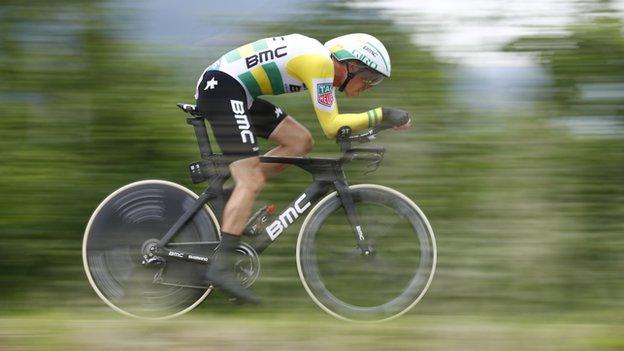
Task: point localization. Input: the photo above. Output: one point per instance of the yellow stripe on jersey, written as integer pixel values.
(263, 80)
(310, 66)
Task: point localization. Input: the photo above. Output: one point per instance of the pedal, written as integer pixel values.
(235, 301)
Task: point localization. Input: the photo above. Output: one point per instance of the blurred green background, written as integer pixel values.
(516, 156)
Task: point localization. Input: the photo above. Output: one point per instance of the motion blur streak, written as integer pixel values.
(516, 156)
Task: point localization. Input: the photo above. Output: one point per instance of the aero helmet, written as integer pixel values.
(367, 50)
(362, 47)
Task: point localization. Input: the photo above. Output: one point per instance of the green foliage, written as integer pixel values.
(587, 58)
(527, 215)
(587, 79)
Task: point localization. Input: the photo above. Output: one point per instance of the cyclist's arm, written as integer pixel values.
(317, 72)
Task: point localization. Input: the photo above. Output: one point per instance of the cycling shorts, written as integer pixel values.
(222, 101)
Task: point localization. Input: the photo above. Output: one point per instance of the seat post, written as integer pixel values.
(202, 136)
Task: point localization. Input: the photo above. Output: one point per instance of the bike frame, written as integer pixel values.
(327, 174)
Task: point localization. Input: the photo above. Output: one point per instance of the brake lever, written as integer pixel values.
(373, 154)
(374, 165)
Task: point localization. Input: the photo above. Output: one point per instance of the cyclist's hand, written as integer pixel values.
(395, 118)
(404, 126)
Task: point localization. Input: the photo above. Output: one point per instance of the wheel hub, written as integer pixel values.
(148, 252)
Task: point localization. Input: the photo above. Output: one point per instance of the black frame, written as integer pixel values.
(327, 174)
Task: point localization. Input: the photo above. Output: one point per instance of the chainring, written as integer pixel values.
(247, 264)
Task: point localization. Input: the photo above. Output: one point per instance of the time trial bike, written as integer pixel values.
(364, 252)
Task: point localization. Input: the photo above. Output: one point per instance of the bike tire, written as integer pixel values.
(350, 286)
(112, 243)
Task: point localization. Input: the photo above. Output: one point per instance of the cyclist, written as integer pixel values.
(227, 96)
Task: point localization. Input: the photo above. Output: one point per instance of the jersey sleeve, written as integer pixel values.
(317, 72)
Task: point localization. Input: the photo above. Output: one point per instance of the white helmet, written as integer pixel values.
(362, 47)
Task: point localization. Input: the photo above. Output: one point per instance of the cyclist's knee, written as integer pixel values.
(293, 136)
(254, 183)
(303, 143)
(307, 142)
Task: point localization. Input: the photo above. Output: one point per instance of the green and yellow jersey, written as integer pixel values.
(290, 64)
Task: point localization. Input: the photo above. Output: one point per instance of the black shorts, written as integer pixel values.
(222, 101)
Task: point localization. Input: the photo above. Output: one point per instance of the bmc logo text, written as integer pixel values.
(369, 50)
(287, 218)
(176, 254)
(264, 56)
(243, 123)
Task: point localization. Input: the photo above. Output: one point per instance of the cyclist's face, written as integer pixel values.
(362, 81)
(356, 86)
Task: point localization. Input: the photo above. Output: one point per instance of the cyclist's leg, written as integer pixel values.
(271, 123)
(294, 140)
(249, 180)
(223, 102)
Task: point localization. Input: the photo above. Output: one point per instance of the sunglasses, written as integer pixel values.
(368, 75)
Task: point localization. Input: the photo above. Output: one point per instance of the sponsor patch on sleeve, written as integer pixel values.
(325, 95)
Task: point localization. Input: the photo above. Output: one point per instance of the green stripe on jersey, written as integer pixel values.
(370, 118)
(260, 45)
(232, 56)
(250, 83)
(275, 77)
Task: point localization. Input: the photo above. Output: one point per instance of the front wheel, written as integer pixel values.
(351, 286)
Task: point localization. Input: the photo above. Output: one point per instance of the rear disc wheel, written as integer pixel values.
(120, 231)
